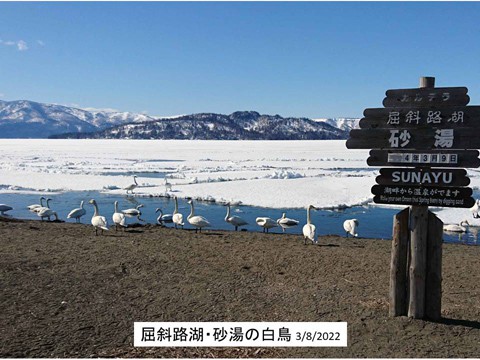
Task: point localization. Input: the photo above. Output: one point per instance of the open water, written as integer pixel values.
(375, 222)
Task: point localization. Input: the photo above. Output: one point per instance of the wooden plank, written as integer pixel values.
(427, 97)
(418, 139)
(433, 282)
(443, 159)
(412, 117)
(423, 176)
(398, 264)
(397, 199)
(418, 251)
(433, 192)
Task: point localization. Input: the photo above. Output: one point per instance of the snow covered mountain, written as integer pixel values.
(346, 124)
(29, 119)
(240, 125)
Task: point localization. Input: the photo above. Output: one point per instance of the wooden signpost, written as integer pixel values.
(427, 96)
(434, 132)
(423, 196)
(419, 139)
(423, 176)
(425, 158)
(418, 117)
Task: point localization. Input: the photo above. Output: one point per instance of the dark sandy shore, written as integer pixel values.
(67, 293)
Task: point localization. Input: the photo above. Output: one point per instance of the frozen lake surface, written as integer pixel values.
(265, 177)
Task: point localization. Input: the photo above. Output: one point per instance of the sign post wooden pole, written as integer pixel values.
(418, 246)
(398, 264)
(425, 136)
(433, 283)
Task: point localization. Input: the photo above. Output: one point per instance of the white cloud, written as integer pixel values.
(20, 44)
(40, 42)
(2, 95)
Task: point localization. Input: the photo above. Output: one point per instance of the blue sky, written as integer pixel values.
(313, 59)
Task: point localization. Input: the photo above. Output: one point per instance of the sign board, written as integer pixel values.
(419, 139)
(444, 159)
(426, 131)
(422, 176)
(427, 97)
(423, 195)
(414, 117)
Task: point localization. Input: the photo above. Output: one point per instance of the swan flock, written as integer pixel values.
(198, 222)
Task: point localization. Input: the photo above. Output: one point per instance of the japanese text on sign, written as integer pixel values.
(240, 334)
(401, 138)
(418, 158)
(433, 117)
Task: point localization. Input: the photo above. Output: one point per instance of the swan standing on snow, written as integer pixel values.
(4, 208)
(236, 221)
(98, 221)
(168, 186)
(162, 219)
(309, 229)
(36, 206)
(132, 186)
(286, 223)
(118, 217)
(266, 223)
(350, 227)
(462, 227)
(177, 218)
(77, 213)
(475, 209)
(197, 221)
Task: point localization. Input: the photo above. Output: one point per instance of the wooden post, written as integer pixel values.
(433, 297)
(398, 264)
(418, 260)
(418, 246)
(427, 82)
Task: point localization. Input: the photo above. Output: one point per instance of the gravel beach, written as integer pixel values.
(69, 293)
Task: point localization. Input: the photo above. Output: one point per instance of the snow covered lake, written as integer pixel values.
(264, 177)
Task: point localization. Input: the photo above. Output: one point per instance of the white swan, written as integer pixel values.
(46, 212)
(177, 218)
(236, 221)
(350, 227)
(162, 219)
(133, 212)
(286, 223)
(197, 221)
(309, 229)
(35, 206)
(98, 221)
(462, 227)
(266, 223)
(38, 209)
(168, 186)
(77, 213)
(132, 186)
(118, 217)
(475, 209)
(4, 208)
